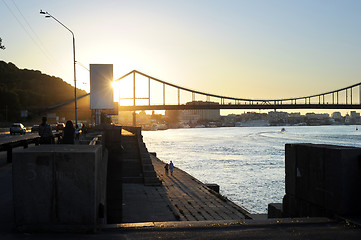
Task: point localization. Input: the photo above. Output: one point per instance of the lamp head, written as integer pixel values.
(42, 12)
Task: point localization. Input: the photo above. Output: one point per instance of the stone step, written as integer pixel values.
(133, 180)
(152, 182)
(150, 174)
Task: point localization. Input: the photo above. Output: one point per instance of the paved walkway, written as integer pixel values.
(192, 200)
(180, 198)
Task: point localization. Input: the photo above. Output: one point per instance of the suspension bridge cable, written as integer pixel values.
(262, 101)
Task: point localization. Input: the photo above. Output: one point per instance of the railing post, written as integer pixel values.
(351, 96)
(9, 153)
(346, 96)
(337, 97)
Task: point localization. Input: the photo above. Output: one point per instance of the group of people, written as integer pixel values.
(70, 133)
(169, 167)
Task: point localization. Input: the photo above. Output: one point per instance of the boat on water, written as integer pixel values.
(283, 130)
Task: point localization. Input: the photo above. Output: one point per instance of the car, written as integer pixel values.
(17, 128)
(60, 126)
(35, 128)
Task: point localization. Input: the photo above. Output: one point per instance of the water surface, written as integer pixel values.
(247, 162)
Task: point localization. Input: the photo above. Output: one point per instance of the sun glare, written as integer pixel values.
(124, 90)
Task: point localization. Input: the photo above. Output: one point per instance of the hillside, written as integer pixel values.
(23, 89)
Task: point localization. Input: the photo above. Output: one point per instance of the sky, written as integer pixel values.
(260, 49)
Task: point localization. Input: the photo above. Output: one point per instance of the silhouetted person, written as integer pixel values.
(45, 132)
(77, 132)
(84, 130)
(68, 133)
(166, 167)
(171, 168)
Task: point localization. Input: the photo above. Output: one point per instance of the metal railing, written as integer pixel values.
(9, 145)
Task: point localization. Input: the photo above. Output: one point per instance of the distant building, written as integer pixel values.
(317, 118)
(337, 116)
(354, 117)
(277, 117)
(195, 115)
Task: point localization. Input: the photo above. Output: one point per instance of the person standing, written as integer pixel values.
(45, 132)
(171, 168)
(68, 133)
(166, 167)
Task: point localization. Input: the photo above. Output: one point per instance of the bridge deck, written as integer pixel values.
(238, 106)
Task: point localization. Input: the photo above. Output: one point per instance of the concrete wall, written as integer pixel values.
(59, 187)
(322, 180)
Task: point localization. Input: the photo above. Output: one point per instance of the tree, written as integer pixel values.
(1, 46)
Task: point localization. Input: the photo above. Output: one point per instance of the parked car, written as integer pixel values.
(60, 126)
(35, 128)
(17, 128)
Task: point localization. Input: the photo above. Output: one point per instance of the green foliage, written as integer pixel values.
(23, 89)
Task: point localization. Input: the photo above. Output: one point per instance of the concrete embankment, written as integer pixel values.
(181, 207)
(180, 197)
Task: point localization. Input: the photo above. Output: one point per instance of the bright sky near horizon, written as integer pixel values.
(240, 48)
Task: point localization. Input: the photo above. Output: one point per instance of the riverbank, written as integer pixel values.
(181, 208)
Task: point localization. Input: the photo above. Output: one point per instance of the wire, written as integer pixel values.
(80, 64)
(26, 31)
(41, 45)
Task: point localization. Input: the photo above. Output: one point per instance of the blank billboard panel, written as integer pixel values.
(101, 91)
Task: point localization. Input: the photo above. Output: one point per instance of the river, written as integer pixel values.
(246, 162)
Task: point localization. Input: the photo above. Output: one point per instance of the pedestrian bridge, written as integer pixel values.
(161, 95)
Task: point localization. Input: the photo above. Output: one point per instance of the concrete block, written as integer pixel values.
(289, 206)
(275, 210)
(290, 168)
(112, 138)
(213, 186)
(322, 180)
(60, 186)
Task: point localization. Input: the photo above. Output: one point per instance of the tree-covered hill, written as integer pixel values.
(31, 90)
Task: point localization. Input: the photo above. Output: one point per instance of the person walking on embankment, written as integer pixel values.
(45, 132)
(171, 168)
(166, 168)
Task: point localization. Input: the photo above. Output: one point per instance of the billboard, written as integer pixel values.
(101, 91)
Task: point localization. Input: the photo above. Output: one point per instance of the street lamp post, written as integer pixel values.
(74, 62)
